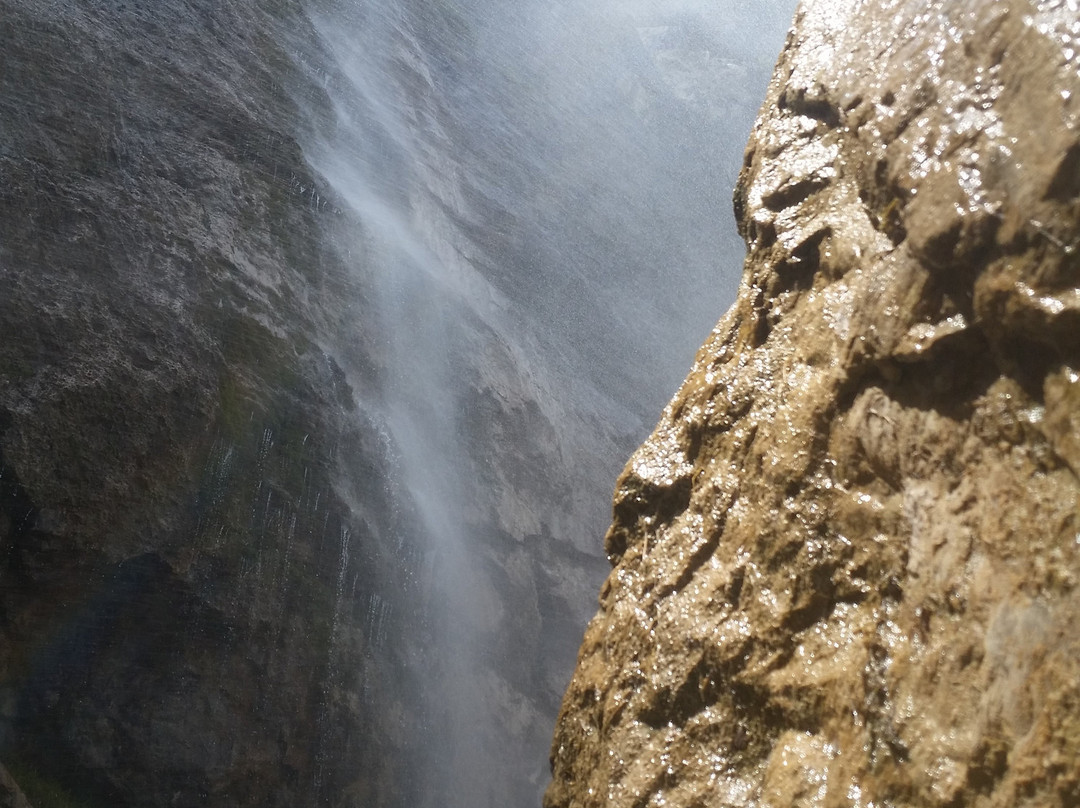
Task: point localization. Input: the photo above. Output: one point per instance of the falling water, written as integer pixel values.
(328, 325)
(536, 198)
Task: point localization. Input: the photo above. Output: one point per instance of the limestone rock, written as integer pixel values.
(846, 561)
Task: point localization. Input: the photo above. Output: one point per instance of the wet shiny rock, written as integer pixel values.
(845, 563)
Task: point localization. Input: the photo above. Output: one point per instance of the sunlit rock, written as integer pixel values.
(855, 581)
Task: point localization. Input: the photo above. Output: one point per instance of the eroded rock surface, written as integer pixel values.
(846, 561)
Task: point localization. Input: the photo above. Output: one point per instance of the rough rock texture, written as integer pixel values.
(846, 561)
(185, 596)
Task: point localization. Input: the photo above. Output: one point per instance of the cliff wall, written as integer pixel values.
(846, 560)
(324, 326)
(188, 599)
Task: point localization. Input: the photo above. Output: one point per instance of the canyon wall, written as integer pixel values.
(846, 561)
(188, 597)
(216, 586)
(324, 327)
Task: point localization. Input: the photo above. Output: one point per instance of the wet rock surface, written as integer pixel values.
(178, 597)
(845, 562)
(216, 583)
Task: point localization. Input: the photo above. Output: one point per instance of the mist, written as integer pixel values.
(328, 328)
(538, 198)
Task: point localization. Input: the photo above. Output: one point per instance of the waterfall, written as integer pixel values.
(328, 326)
(540, 225)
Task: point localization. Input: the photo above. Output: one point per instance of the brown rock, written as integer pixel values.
(846, 561)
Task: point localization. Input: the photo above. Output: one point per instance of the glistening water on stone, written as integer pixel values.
(845, 563)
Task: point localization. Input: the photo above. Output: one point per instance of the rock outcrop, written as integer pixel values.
(846, 561)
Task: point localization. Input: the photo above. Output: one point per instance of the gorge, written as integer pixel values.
(326, 328)
(327, 325)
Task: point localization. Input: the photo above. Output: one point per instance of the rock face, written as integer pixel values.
(846, 561)
(211, 572)
(183, 619)
(240, 245)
